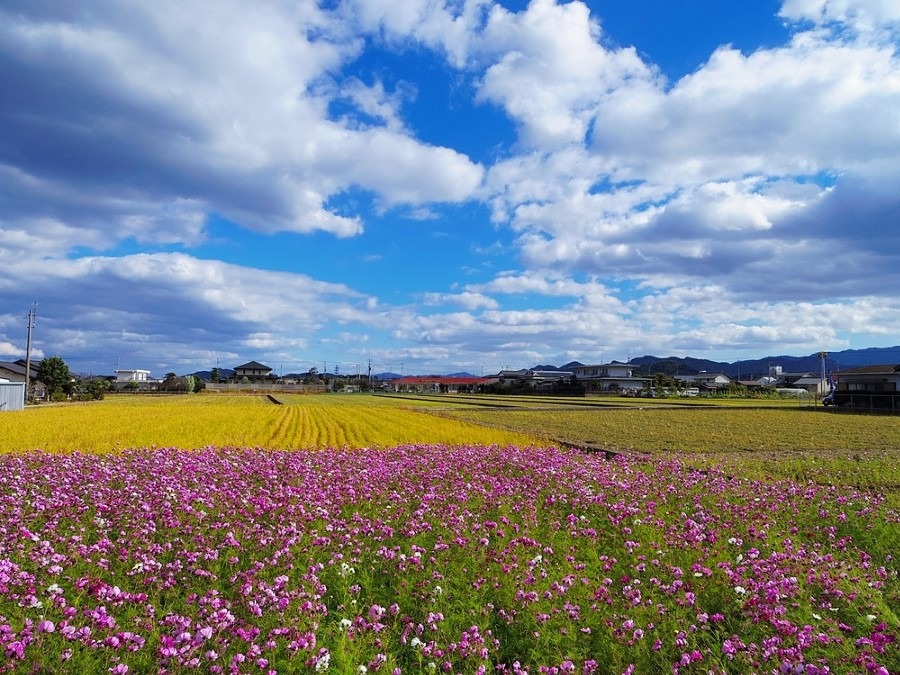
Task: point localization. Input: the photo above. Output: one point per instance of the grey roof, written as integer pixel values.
(870, 370)
(808, 379)
(14, 367)
(252, 365)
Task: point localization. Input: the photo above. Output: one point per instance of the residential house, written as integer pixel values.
(511, 375)
(710, 381)
(14, 371)
(132, 376)
(876, 387)
(547, 379)
(134, 380)
(612, 377)
(252, 370)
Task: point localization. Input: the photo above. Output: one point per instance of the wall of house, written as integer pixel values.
(252, 372)
(587, 372)
(132, 375)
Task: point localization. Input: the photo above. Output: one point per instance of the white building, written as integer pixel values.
(132, 375)
(613, 376)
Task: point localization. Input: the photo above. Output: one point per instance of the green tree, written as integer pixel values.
(98, 387)
(55, 374)
(174, 383)
(193, 383)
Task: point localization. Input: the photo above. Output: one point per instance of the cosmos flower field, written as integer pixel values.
(436, 558)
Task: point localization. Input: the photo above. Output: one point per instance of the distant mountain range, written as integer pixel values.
(755, 368)
(569, 367)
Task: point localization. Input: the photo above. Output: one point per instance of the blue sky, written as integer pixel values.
(462, 185)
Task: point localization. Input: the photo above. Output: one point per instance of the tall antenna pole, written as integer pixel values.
(31, 314)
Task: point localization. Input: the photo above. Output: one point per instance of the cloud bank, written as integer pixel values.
(746, 208)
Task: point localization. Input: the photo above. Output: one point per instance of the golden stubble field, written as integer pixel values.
(757, 441)
(195, 421)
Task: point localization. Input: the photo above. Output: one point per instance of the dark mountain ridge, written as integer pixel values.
(747, 369)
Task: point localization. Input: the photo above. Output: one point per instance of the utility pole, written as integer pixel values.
(31, 314)
(822, 356)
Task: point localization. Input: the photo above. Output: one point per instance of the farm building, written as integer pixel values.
(12, 395)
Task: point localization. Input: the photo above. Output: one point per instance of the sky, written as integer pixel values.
(436, 186)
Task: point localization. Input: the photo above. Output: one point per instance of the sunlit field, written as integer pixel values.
(305, 422)
(796, 443)
(201, 534)
(701, 429)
